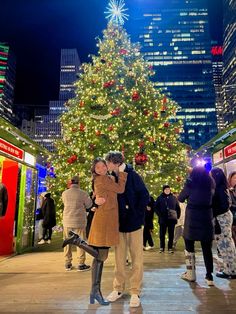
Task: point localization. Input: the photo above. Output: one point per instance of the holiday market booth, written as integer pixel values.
(221, 149)
(18, 188)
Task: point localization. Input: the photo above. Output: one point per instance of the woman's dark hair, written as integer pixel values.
(97, 160)
(200, 178)
(233, 173)
(219, 177)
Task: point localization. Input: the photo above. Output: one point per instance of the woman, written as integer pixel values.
(148, 225)
(198, 224)
(104, 231)
(224, 240)
(232, 191)
(164, 203)
(49, 217)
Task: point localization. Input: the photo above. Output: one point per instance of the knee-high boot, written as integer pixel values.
(190, 274)
(76, 240)
(96, 283)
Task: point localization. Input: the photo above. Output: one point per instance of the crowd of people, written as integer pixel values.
(121, 213)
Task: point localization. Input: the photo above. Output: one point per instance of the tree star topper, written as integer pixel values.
(116, 12)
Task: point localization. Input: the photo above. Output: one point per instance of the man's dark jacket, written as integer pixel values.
(132, 203)
(3, 199)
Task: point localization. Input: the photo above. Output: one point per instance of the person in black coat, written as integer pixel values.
(49, 218)
(132, 204)
(221, 210)
(3, 199)
(165, 202)
(148, 225)
(198, 225)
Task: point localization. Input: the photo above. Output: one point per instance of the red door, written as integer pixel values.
(9, 179)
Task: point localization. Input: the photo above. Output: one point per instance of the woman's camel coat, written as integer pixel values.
(104, 230)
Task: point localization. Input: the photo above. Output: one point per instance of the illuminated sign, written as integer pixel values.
(30, 159)
(10, 149)
(230, 150)
(218, 156)
(217, 50)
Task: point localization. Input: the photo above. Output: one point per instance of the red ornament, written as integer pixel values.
(116, 112)
(163, 108)
(93, 81)
(110, 128)
(109, 84)
(166, 124)
(74, 129)
(135, 96)
(140, 158)
(81, 127)
(98, 132)
(72, 159)
(121, 87)
(164, 100)
(155, 114)
(177, 130)
(145, 112)
(123, 52)
(141, 144)
(81, 103)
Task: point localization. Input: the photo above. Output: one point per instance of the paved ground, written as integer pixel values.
(37, 283)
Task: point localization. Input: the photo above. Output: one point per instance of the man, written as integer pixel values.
(75, 203)
(165, 204)
(132, 204)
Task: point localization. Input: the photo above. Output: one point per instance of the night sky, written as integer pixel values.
(36, 30)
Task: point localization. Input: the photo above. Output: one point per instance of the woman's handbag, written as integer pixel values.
(172, 214)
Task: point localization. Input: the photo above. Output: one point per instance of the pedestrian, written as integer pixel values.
(39, 216)
(198, 225)
(168, 211)
(104, 231)
(148, 225)
(132, 205)
(221, 210)
(179, 227)
(232, 191)
(49, 217)
(75, 202)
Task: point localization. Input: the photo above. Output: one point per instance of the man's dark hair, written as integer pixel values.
(115, 157)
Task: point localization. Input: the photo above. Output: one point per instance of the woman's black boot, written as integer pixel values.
(96, 283)
(75, 239)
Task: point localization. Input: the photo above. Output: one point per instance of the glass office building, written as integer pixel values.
(229, 60)
(175, 40)
(7, 81)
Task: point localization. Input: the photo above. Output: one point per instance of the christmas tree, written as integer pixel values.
(117, 107)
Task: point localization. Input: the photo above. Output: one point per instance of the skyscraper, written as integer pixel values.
(175, 40)
(47, 127)
(217, 68)
(229, 61)
(7, 81)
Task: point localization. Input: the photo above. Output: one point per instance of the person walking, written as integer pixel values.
(49, 218)
(148, 225)
(75, 202)
(198, 225)
(132, 205)
(221, 210)
(104, 230)
(168, 211)
(232, 191)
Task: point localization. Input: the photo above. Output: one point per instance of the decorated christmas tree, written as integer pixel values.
(117, 107)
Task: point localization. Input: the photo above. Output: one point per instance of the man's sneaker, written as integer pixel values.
(170, 251)
(49, 241)
(134, 301)
(68, 267)
(114, 295)
(42, 241)
(161, 250)
(83, 267)
(209, 281)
